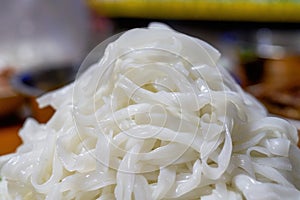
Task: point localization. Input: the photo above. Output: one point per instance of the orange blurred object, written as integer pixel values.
(42, 115)
(10, 103)
(282, 73)
(10, 100)
(10, 139)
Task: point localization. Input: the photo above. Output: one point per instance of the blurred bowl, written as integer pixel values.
(34, 83)
(38, 81)
(269, 56)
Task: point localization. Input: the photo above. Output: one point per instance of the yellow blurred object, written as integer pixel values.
(235, 10)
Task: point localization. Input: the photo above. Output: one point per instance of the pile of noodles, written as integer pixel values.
(155, 118)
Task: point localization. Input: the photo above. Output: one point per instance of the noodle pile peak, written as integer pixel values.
(155, 118)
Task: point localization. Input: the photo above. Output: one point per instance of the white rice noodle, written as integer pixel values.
(155, 118)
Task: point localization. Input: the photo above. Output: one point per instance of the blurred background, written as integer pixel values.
(42, 44)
